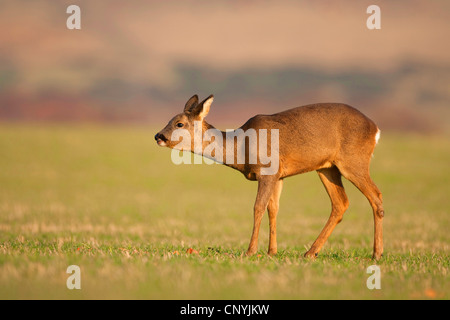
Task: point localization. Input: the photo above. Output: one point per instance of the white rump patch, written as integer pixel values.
(377, 136)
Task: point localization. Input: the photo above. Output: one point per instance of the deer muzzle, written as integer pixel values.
(160, 139)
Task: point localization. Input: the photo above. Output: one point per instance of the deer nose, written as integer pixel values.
(160, 136)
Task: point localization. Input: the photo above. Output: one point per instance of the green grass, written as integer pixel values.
(109, 200)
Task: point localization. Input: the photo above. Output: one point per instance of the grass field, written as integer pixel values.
(107, 199)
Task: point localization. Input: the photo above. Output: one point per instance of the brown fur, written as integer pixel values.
(333, 139)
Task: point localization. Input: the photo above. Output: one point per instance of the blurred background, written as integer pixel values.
(82, 181)
(139, 61)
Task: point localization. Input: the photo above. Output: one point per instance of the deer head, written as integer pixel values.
(190, 119)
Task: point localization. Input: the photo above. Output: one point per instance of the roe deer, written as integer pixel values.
(332, 138)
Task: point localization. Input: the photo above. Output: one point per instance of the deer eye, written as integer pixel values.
(180, 125)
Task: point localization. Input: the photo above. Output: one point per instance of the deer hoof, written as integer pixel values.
(311, 255)
(377, 256)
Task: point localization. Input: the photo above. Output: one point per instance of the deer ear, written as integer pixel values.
(202, 109)
(191, 103)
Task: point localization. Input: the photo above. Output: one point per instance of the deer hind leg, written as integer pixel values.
(331, 179)
(266, 185)
(359, 175)
(273, 206)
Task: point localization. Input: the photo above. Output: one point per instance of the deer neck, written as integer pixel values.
(214, 146)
